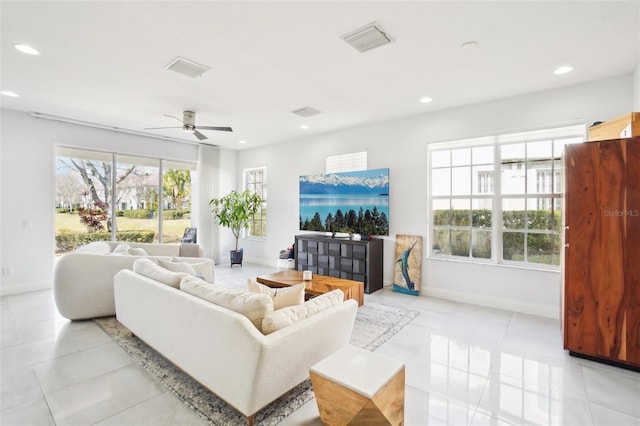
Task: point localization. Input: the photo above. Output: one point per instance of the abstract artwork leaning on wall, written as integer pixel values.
(407, 272)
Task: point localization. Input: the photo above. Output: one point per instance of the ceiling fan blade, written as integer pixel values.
(167, 115)
(199, 135)
(155, 128)
(223, 129)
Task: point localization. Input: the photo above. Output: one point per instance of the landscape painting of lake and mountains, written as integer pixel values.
(349, 202)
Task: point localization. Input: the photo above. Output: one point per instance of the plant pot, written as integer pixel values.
(236, 257)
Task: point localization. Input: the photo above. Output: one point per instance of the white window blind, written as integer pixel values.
(351, 162)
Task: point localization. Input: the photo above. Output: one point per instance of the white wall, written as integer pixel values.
(401, 145)
(636, 89)
(27, 188)
(218, 172)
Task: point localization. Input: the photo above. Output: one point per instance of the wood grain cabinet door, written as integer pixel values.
(602, 250)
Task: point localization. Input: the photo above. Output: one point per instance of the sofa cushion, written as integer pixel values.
(282, 318)
(97, 247)
(254, 306)
(150, 269)
(324, 301)
(177, 266)
(282, 297)
(138, 251)
(122, 249)
(203, 270)
(287, 316)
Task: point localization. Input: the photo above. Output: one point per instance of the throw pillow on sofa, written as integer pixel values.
(287, 316)
(121, 249)
(203, 270)
(252, 305)
(150, 269)
(177, 266)
(138, 251)
(282, 297)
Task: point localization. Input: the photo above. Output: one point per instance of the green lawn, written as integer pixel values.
(172, 229)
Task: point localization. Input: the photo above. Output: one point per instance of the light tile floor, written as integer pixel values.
(465, 365)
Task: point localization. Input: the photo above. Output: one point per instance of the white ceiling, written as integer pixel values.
(103, 62)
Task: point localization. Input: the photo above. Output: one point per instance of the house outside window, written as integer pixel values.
(485, 182)
(255, 180)
(499, 199)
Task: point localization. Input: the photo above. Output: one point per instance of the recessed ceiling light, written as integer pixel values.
(563, 70)
(425, 100)
(304, 127)
(9, 93)
(469, 45)
(25, 48)
(242, 141)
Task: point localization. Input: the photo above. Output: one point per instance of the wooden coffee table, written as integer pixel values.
(318, 285)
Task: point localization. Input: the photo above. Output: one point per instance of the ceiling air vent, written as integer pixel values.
(186, 67)
(306, 112)
(367, 38)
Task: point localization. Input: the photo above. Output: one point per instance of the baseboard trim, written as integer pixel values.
(546, 311)
(18, 288)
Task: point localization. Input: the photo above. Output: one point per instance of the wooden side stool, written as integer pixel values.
(357, 387)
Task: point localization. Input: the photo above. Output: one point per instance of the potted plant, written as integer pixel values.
(234, 211)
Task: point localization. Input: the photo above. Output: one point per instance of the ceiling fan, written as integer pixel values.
(189, 125)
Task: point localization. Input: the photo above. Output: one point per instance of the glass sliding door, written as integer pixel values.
(176, 199)
(104, 196)
(137, 192)
(83, 197)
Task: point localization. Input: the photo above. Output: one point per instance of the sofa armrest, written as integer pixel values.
(191, 250)
(288, 353)
(83, 283)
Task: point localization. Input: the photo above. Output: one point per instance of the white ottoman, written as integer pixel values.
(357, 387)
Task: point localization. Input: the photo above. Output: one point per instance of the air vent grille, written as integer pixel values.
(367, 38)
(186, 67)
(306, 112)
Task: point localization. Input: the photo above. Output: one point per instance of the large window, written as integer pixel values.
(499, 199)
(255, 180)
(108, 196)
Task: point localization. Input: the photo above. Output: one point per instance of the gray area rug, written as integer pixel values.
(375, 324)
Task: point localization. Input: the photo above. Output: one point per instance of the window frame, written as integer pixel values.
(116, 158)
(262, 211)
(570, 133)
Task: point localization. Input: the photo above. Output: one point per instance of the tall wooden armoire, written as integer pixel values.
(601, 306)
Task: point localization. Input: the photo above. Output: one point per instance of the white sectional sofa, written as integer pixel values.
(83, 279)
(223, 349)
